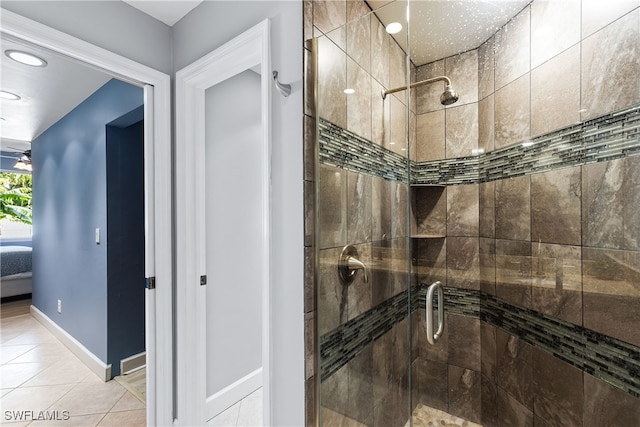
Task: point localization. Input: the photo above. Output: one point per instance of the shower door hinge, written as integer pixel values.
(203, 280)
(150, 283)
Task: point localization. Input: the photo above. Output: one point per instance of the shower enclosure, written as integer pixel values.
(517, 190)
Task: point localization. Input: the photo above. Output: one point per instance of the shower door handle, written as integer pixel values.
(431, 336)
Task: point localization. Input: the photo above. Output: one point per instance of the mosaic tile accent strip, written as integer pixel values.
(462, 302)
(342, 344)
(341, 148)
(606, 358)
(462, 170)
(609, 137)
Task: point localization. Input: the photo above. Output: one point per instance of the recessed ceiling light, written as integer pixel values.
(26, 58)
(394, 28)
(349, 91)
(8, 95)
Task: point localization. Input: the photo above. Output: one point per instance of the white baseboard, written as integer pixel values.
(233, 393)
(133, 363)
(97, 366)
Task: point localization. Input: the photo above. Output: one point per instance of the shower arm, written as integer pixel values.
(422, 83)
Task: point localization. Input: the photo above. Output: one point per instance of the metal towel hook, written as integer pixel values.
(283, 88)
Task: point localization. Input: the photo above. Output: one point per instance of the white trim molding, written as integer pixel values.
(133, 363)
(93, 362)
(250, 50)
(158, 203)
(233, 393)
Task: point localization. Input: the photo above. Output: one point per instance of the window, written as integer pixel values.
(15, 205)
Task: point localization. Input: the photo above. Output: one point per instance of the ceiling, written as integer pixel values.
(446, 27)
(442, 28)
(49, 93)
(167, 11)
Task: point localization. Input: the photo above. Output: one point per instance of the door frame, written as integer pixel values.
(158, 202)
(247, 51)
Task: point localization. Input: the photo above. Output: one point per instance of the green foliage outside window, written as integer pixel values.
(15, 197)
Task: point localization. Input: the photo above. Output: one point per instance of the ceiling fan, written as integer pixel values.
(23, 162)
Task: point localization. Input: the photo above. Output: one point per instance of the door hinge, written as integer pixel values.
(150, 283)
(203, 280)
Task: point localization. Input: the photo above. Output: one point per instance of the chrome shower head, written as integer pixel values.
(449, 96)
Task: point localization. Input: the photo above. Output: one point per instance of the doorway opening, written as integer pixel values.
(157, 217)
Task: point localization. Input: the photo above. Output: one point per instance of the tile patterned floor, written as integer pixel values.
(136, 383)
(39, 376)
(38, 373)
(15, 308)
(246, 413)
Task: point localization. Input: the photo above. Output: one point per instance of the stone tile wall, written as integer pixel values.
(563, 243)
(355, 207)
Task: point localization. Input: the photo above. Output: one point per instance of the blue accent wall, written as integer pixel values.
(125, 242)
(69, 203)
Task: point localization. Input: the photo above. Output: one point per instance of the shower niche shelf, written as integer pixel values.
(427, 186)
(429, 211)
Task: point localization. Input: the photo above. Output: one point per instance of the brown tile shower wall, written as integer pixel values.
(565, 243)
(355, 51)
(447, 376)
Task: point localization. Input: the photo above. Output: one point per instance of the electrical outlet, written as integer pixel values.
(59, 306)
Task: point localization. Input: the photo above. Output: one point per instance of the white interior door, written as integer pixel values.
(223, 227)
(234, 166)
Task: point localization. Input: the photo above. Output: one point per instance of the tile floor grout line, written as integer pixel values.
(239, 412)
(102, 418)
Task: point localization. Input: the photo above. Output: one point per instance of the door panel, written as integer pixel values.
(234, 264)
(223, 227)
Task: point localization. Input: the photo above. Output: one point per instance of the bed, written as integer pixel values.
(15, 270)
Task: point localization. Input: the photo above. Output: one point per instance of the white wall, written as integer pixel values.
(233, 139)
(112, 25)
(207, 27)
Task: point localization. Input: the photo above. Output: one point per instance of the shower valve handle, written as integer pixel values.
(356, 264)
(349, 264)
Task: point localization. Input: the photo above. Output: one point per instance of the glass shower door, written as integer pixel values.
(519, 198)
(362, 220)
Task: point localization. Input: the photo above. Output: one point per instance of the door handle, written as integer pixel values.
(431, 336)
